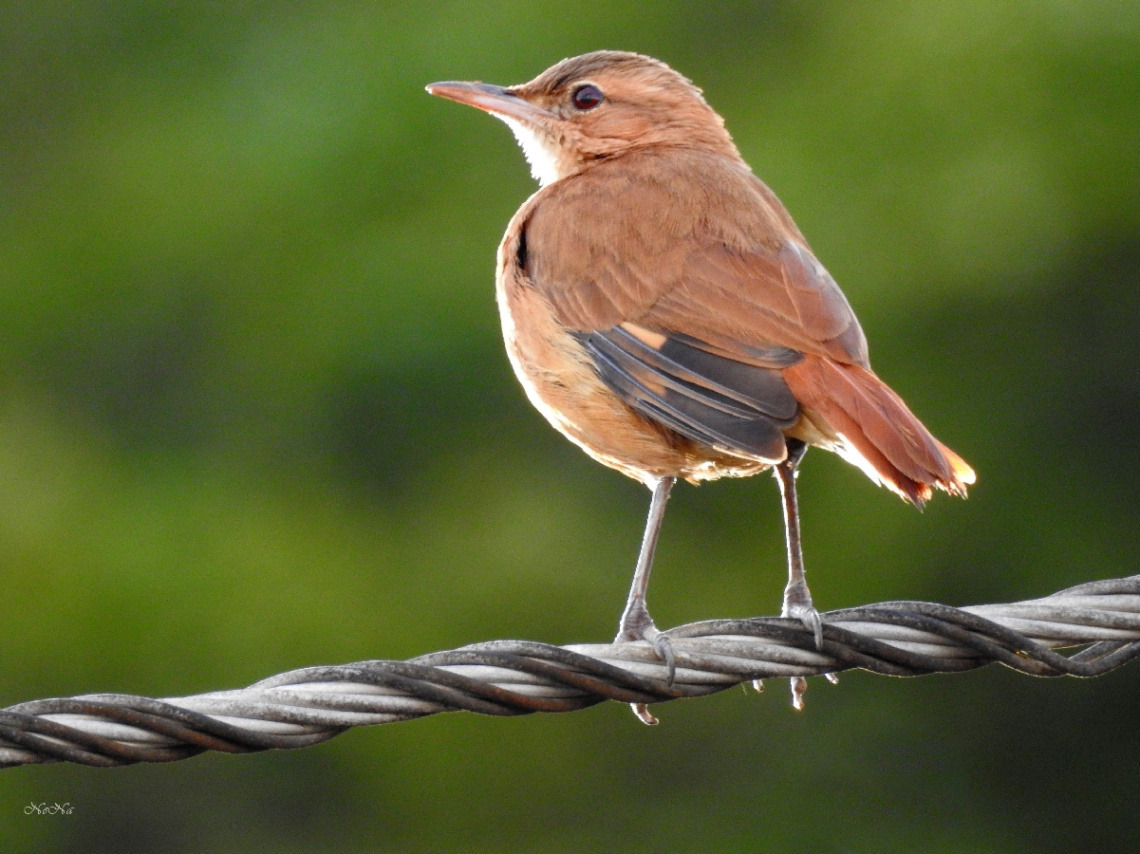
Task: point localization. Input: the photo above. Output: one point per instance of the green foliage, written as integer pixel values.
(254, 415)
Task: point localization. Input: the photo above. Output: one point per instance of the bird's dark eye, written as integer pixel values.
(587, 97)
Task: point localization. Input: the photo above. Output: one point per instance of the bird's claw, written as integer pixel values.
(637, 625)
(809, 616)
(799, 688)
(664, 648)
(660, 643)
(643, 714)
(797, 605)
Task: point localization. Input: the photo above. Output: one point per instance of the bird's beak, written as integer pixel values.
(496, 100)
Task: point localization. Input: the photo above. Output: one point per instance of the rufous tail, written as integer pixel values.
(879, 433)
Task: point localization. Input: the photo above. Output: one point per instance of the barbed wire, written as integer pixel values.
(507, 677)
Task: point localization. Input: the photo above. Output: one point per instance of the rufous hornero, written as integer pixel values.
(665, 314)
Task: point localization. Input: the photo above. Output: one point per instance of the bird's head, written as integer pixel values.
(595, 106)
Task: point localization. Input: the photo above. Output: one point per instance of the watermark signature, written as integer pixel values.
(44, 808)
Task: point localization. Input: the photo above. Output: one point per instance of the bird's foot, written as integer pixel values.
(797, 604)
(637, 625)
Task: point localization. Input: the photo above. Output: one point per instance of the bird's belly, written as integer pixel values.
(560, 380)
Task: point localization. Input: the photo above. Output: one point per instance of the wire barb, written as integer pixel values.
(505, 677)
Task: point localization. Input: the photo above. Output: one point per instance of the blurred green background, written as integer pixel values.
(255, 415)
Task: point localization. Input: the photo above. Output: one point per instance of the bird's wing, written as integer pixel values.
(739, 300)
(732, 406)
(693, 244)
(689, 301)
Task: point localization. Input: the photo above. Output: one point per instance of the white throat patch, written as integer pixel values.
(544, 164)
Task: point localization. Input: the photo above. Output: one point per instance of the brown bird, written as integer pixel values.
(664, 313)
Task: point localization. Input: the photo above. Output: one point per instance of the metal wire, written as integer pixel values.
(506, 677)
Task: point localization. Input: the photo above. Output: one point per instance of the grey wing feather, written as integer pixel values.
(723, 403)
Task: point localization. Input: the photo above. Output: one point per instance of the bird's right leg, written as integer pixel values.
(636, 624)
(797, 597)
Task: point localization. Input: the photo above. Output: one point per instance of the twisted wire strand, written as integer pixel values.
(510, 677)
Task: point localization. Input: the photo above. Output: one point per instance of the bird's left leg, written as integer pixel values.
(636, 624)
